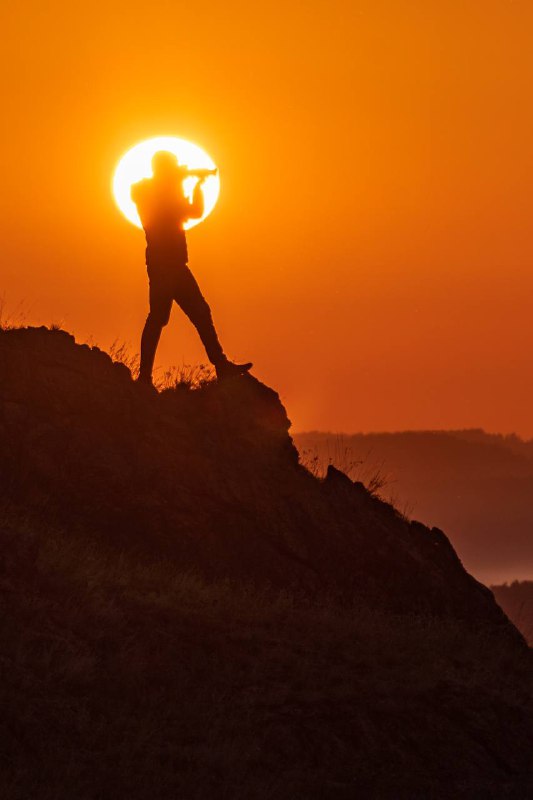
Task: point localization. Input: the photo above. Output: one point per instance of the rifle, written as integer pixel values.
(201, 174)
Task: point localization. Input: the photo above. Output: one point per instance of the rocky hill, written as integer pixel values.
(474, 485)
(189, 612)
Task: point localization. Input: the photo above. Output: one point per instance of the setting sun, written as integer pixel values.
(136, 164)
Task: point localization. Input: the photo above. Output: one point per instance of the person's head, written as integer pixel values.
(164, 165)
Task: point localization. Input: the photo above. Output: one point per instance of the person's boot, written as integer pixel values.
(228, 369)
(146, 382)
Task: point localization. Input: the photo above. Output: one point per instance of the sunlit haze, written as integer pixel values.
(371, 247)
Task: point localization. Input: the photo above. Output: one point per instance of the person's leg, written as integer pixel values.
(190, 299)
(158, 317)
(149, 341)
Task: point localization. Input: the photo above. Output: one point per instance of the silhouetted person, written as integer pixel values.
(164, 209)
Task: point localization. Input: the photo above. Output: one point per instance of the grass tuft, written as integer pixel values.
(337, 453)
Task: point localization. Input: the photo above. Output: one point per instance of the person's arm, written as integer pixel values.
(196, 206)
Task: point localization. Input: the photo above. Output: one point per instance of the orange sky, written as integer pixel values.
(371, 250)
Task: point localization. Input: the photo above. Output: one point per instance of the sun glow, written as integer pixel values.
(136, 164)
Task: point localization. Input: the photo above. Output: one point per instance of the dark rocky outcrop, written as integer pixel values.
(211, 479)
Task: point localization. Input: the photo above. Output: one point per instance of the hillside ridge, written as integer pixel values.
(211, 479)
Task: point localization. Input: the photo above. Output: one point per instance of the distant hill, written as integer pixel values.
(189, 612)
(516, 599)
(476, 486)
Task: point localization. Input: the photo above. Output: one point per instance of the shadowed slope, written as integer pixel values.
(211, 479)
